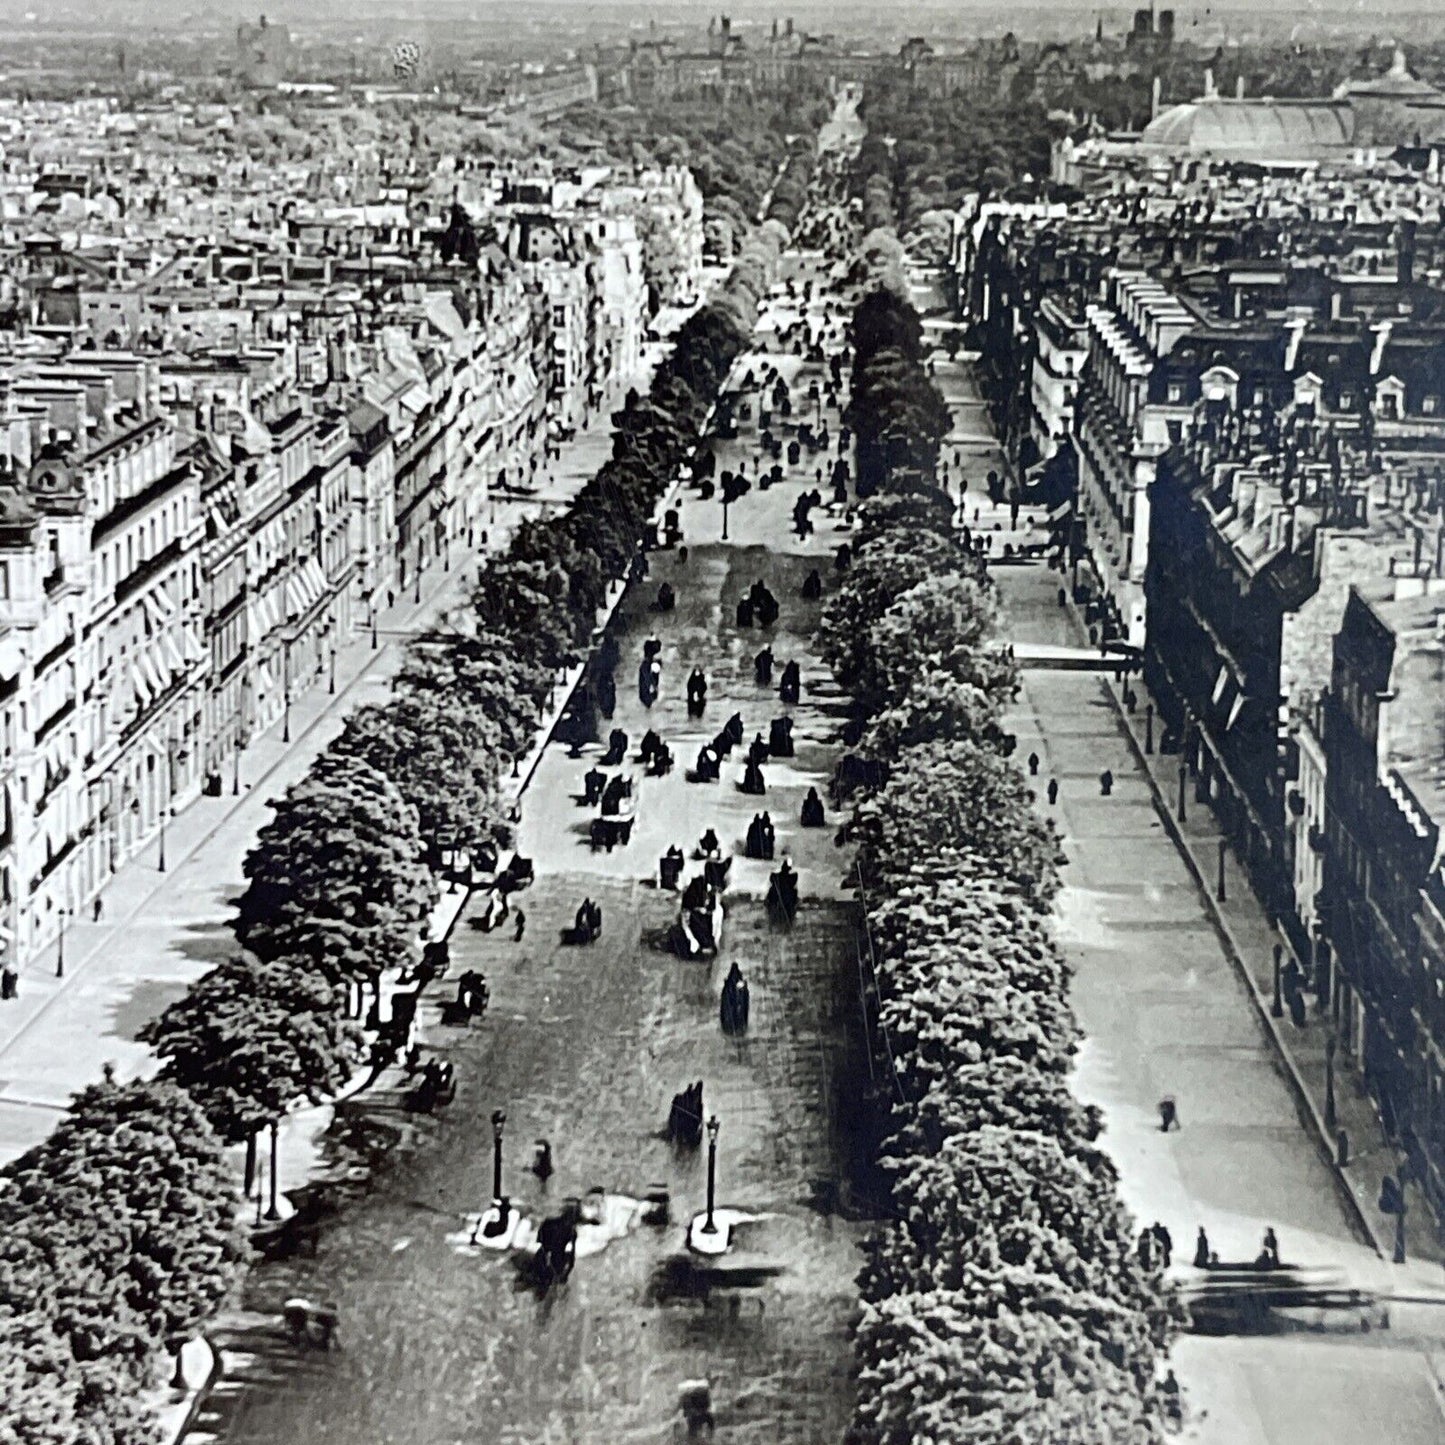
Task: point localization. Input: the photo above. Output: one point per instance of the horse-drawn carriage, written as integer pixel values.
(614, 830)
(734, 1004)
(437, 1087)
(556, 1246)
(685, 1116)
(518, 874)
(783, 892)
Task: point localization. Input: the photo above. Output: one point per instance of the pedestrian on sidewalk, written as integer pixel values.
(1145, 1248)
(1033, 765)
(1201, 1250)
(1106, 782)
(1164, 1240)
(1269, 1254)
(9, 982)
(521, 927)
(1168, 1114)
(1053, 791)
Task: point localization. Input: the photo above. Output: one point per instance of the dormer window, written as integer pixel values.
(1174, 393)
(1430, 405)
(1347, 400)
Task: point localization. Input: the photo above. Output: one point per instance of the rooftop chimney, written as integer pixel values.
(1210, 93)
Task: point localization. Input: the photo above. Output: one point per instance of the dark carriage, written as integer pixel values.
(610, 832)
(734, 1004)
(518, 874)
(556, 1253)
(616, 793)
(783, 893)
(616, 748)
(685, 1117)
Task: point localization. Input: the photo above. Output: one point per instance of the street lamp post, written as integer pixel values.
(331, 685)
(60, 948)
(1276, 1003)
(725, 516)
(1219, 885)
(1149, 727)
(286, 713)
(1183, 775)
(499, 1123)
(1331, 1044)
(273, 1210)
(708, 1226)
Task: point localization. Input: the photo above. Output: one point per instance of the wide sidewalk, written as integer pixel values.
(1250, 940)
(160, 931)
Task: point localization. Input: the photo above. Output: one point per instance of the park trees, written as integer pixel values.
(1002, 1302)
(338, 875)
(250, 1039)
(444, 761)
(118, 1239)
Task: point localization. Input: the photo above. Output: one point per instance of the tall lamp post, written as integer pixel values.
(1331, 1044)
(60, 948)
(708, 1226)
(286, 694)
(499, 1123)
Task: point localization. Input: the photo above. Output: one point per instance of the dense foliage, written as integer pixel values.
(1002, 1300)
(118, 1239)
(924, 153)
(734, 151)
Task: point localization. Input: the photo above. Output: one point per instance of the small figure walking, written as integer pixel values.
(98, 909)
(1053, 791)
(1201, 1250)
(1168, 1114)
(1033, 765)
(1106, 782)
(9, 982)
(521, 927)
(1164, 1240)
(1269, 1254)
(107, 1072)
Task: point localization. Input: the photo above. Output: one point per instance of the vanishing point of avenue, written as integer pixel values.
(721, 725)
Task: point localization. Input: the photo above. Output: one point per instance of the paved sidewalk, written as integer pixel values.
(1250, 940)
(160, 931)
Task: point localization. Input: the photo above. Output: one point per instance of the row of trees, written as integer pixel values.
(894, 410)
(119, 1234)
(118, 1239)
(1001, 1300)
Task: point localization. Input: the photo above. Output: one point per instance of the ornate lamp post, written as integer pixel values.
(708, 1226)
(60, 949)
(499, 1123)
